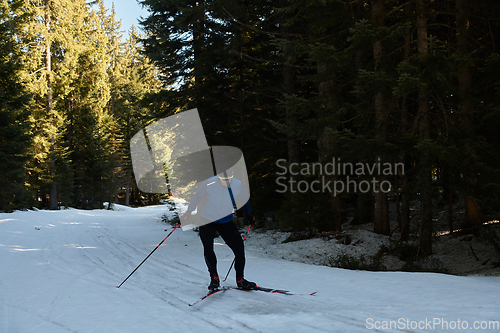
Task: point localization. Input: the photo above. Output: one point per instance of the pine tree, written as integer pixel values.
(425, 137)
(15, 139)
(115, 152)
(92, 122)
(137, 85)
(473, 213)
(171, 31)
(403, 81)
(48, 35)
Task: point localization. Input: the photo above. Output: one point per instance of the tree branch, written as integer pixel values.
(254, 28)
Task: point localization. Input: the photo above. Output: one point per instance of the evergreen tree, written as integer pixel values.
(48, 37)
(71, 62)
(399, 81)
(92, 122)
(219, 59)
(172, 30)
(136, 87)
(15, 138)
(115, 152)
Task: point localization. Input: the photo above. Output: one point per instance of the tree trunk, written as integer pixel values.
(325, 152)
(127, 192)
(242, 96)
(473, 212)
(198, 48)
(404, 222)
(381, 222)
(53, 203)
(364, 208)
(326, 146)
(293, 146)
(425, 135)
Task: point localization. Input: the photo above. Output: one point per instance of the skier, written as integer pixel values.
(221, 193)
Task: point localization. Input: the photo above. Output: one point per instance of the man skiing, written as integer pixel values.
(221, 193)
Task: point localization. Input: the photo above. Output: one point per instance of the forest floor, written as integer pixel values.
(457, 253)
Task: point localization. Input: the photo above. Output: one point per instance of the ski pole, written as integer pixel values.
(232, 264)
(177, 226)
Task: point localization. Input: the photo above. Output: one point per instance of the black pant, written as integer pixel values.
(231, 236)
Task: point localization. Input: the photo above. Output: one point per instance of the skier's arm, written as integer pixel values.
(247, 210)
(248, 213)
(200, 194)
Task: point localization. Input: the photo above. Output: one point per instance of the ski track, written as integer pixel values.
(164, 269)
(177, 293)
(45, 320)
(63, 277)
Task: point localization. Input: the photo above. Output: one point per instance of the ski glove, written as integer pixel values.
(250, 219)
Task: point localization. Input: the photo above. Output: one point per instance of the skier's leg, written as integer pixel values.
(232, 237)
(207, 235)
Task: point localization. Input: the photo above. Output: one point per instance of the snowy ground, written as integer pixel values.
(315, 250)
(59, 271)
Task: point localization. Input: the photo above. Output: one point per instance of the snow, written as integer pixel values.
(59, 271)
(315, 250)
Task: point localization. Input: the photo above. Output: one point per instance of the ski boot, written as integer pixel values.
(244, 284)
(214, 283)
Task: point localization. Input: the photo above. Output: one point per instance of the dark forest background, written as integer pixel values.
(413, 82)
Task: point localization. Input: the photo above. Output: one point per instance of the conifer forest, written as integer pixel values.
(401, 98)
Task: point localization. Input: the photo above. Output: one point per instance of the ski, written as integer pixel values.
(272, 291)
(278, 291)
(210, 293)
(266, 290)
